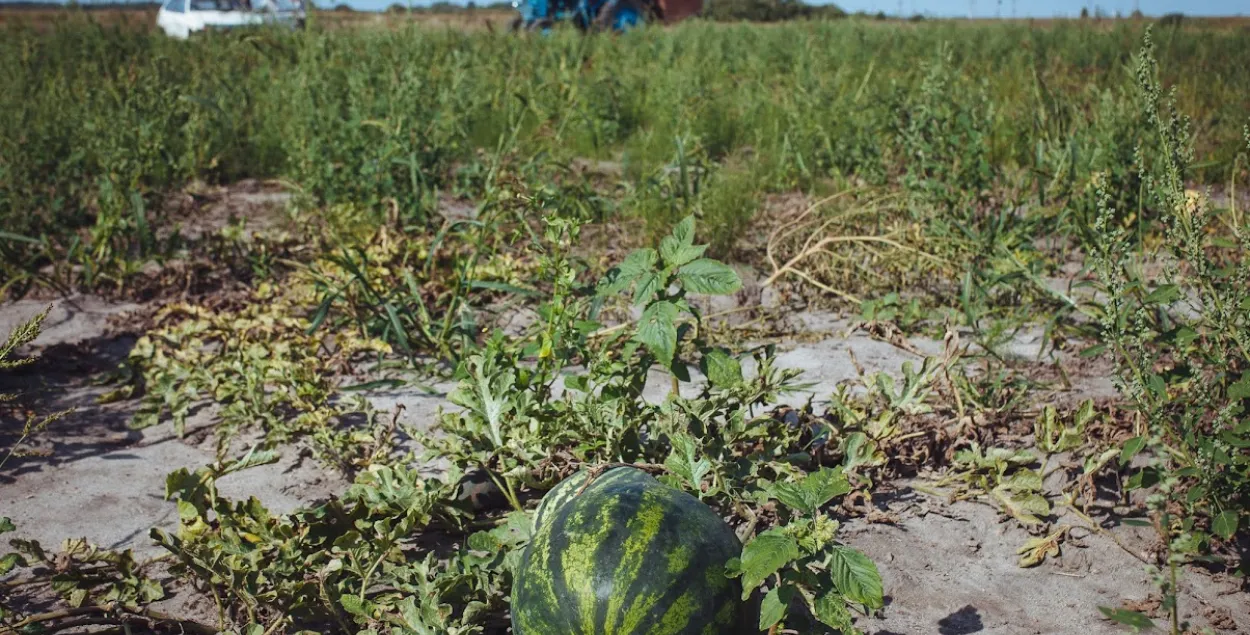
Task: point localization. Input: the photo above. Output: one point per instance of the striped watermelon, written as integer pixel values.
(628, 555)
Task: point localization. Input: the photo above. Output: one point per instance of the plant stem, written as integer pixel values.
(1175, 609)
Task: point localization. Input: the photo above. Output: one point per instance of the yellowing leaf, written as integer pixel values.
(1036, 550)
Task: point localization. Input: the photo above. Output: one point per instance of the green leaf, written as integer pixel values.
(858, 450)
(857, 577)
(1185, 336)
(683, 232)
(1225, 524)
(8, 562)
(1241, 388)
(18, 238)
(633, 267)
(764, 556)
(708, 276)
(493, 285)
(676, 254)
(657, 331)
(1157, 385)
(1131, 448)
(356, 606)
(648, 287)
(721, 368)
(684, 462)
(6, 525)
(831, 610)
(773, 608)
(1093, 351)
(1132, 619)
(813, 491)
(1165, 294)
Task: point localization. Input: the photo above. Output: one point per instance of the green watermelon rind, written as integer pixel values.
(654, 558)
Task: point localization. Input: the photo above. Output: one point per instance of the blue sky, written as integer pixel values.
(983, 8)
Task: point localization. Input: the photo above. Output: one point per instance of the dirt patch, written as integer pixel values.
(947, 568)
(951, 569)
(202, 210)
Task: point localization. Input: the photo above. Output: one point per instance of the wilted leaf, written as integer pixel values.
(1035, 550)
(1023, 506)
(858, 450)
(1024, 480)
(9, 562)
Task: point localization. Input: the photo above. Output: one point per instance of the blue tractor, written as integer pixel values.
(599, 15)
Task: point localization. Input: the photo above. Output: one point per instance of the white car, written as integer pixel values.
(180, 18)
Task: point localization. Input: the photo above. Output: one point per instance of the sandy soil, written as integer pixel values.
(948, 568)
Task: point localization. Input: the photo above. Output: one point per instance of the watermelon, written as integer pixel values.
(628, 555)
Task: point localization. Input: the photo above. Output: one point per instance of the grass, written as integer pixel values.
(101, 122)
(931, 177)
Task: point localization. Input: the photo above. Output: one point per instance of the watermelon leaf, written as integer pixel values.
(811, 493)
(764, 556)
(657, 331)
(683, 462)
(9, 562)
(857, 577)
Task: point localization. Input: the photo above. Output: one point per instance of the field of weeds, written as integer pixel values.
(950, 322)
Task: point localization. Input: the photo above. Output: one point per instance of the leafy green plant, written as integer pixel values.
(32, 424)
(661, 279)
(258, 364)
(801, 562)
(1181, 346)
